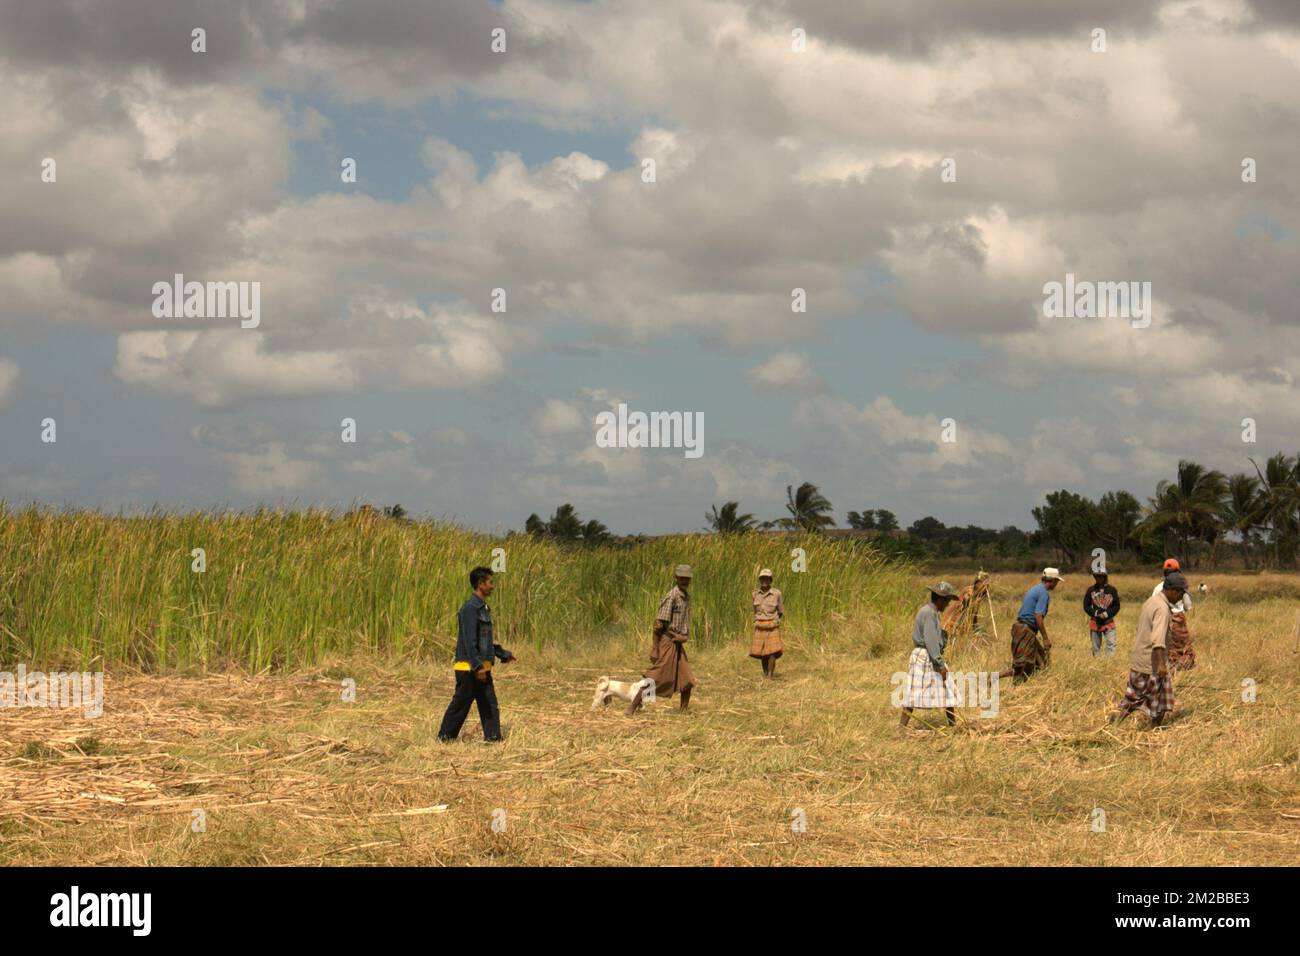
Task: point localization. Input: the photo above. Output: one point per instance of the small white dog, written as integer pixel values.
(1204, 588)
(622, 689)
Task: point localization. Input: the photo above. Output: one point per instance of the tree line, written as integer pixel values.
(1201, 515)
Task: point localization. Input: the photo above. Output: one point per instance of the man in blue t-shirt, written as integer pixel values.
(1031, 648)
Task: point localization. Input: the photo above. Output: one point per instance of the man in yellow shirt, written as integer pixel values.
(1150, 685)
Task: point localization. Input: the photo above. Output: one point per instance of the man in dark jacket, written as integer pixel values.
(1101, 604)
(474, 654)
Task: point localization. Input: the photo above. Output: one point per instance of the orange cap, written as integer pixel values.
(1171, 564)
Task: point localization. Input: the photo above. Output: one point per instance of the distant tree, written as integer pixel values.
(1190, 507)
(727, 521)
(886, 520)
(927, 528)
(809, 509)
(862, 521)
(565, 524)
(1117, 516)
(1067, 521)
(1280, 499)
(1013, 543)
(396, 512)
(1244, 511)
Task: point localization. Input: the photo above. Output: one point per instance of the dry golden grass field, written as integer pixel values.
(285, 772)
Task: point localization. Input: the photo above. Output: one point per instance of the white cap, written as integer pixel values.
(765, 573)
(1053, 573)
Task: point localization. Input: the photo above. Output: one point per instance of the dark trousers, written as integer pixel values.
(469, 689)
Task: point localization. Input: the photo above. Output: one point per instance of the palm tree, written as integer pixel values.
(1280, 497)
(808, 508)
(727, 521)
(1244, 510)
(1190, 507)
(565, 523)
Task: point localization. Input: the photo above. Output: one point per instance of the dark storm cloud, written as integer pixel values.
(407, 40)
(914, 28)
(121, 35)
(1276, 13)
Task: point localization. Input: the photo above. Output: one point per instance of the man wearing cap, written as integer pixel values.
(769, 609)
(927, 672)
(1150, 684)
(1181, 655)
(669, 668)
(1031, 648)
(1101, 604)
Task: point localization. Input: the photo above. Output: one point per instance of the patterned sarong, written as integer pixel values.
(925, 688)
(766, 640)
(1181, 655)
(1028, 650)
(1152, 694)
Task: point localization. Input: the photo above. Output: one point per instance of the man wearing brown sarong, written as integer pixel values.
(669, 668)
(769, 609)
(1031, 648)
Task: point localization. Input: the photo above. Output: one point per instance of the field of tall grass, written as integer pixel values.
(285, 589)
(286, 769)
(225, 694)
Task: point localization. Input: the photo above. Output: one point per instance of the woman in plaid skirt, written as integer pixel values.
(769, 609)
(927, 672)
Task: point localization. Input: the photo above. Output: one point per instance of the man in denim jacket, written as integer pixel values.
(474, 654)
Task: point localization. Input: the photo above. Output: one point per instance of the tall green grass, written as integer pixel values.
(284, 589)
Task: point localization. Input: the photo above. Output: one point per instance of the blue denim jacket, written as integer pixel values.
(475, 641)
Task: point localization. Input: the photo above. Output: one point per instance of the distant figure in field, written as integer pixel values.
(1150, 683)
(968, 599)
(769, 609)
(927, 671)
(669, 668)
(474, 654)
(1181, 655)
(1031, 648)
(1101, 604)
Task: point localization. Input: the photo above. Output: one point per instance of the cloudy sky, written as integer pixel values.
(776, 168)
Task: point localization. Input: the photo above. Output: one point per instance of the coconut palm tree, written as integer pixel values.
(808, 508)
(1189, 507)
(727, 521)
(1280, 496)
(1243, 510)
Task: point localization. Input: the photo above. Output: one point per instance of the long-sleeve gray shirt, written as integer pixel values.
(927, 633)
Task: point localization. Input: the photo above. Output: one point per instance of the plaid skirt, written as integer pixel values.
(1181, 655)
(925, 688)
(1150, 693)
(766, 641)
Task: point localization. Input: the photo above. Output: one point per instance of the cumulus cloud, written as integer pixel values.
(786, 371)
(775, 170)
